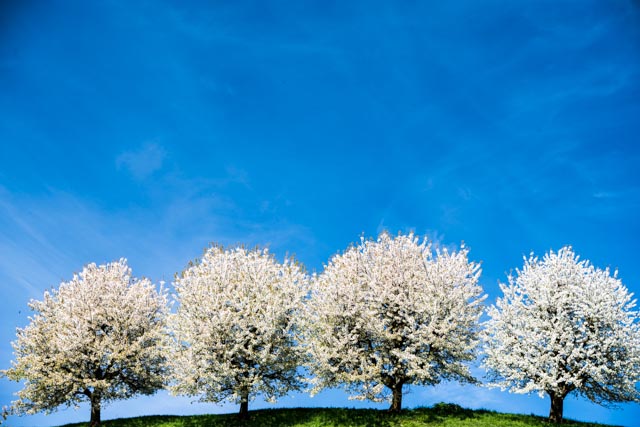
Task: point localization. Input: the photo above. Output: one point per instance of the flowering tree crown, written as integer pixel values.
(235, 329)
(393, 311)
(564, 326)
(97, 337)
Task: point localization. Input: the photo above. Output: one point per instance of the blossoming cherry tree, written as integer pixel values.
(392, 312)
(564, 326)
(235, 329)
(96, 338)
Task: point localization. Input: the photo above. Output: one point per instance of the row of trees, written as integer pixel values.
(383, 314)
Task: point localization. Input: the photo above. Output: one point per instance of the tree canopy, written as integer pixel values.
(96, 338)
(564, 326)
(392, 312)
(235, 328)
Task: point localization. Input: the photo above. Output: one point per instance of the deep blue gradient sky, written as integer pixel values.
(147, 130)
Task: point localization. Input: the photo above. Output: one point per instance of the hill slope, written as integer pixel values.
(441, 415)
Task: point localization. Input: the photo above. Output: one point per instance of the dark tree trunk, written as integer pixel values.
(396, 400)
(95, 410)
(244, 405)
(557, 407)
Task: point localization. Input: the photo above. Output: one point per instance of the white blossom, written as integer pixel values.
(564, 326)
(95, 338)
(391, 312)
(235, 332)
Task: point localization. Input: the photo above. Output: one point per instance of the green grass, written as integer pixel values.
(441, 415)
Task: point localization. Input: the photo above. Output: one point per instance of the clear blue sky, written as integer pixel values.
(148, 129)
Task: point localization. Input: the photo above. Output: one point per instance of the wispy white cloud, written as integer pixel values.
(143, 162)
(44, 238)
(605, 195)
(27, 255)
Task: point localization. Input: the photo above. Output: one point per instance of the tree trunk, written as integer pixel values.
(557, 407)
(396, 400)
(244, 405)
(95, 410)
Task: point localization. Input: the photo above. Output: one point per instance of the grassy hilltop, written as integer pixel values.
(441, 415)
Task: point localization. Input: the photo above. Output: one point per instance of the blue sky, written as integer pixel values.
(149, 130)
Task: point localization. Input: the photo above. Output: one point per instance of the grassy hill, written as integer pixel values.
(441, 415)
